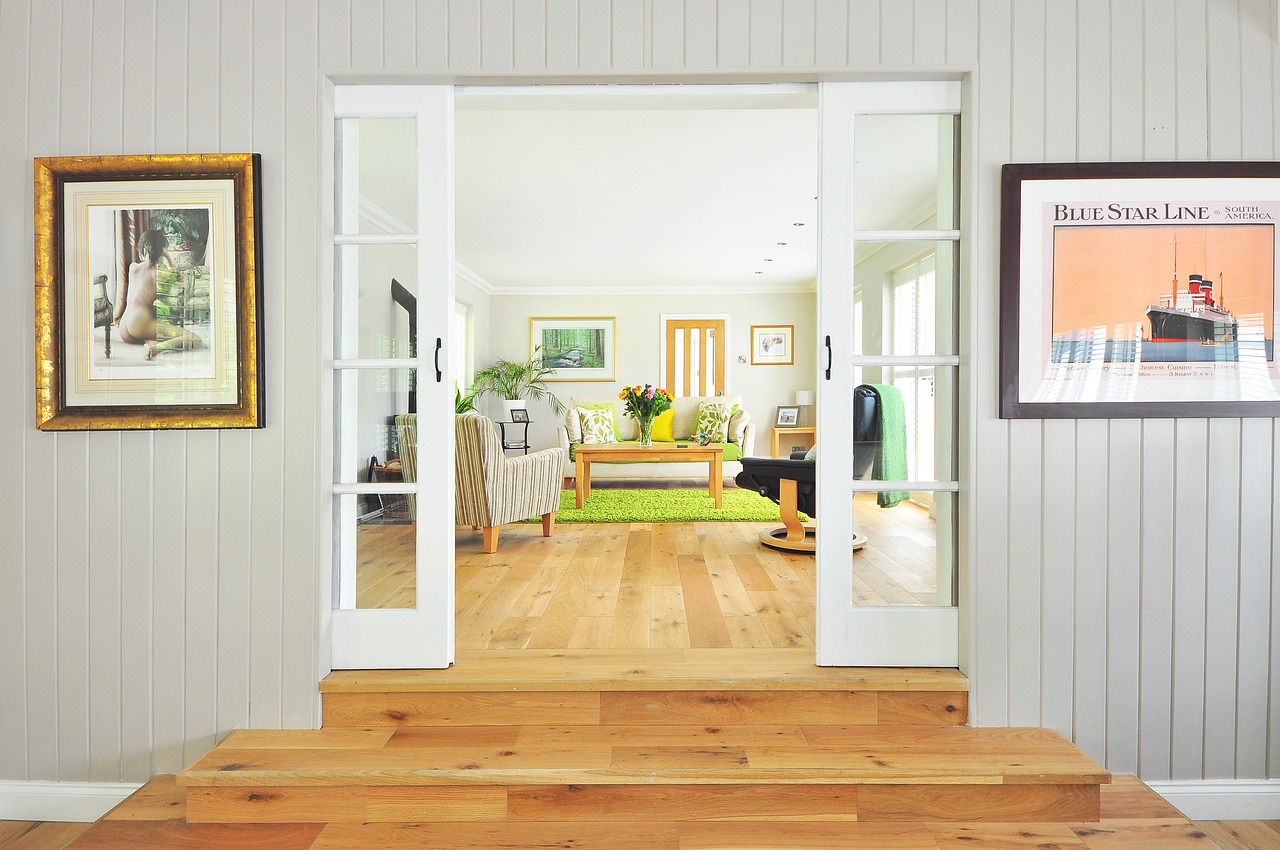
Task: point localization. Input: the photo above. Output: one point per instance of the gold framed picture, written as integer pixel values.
(148, 294)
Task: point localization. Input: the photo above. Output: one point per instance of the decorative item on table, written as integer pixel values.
(804, 401)
(644, 403)
(703, 439)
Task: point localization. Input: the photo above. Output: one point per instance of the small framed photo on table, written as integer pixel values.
(788, 417)
(519, 414)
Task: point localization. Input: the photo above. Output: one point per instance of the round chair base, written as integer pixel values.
(776, 538)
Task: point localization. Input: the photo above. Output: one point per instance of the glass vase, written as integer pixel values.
(646, 430)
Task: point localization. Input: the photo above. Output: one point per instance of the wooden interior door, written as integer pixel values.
(695, 356)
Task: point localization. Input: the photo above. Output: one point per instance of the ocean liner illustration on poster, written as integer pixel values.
(1118, 300)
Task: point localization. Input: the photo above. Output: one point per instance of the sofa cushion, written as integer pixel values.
(662, 425)
(737, 425)
(597, 425)
(623, 427)
(687, 412)
(713, 419)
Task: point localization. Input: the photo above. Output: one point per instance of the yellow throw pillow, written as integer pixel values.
(663, 424)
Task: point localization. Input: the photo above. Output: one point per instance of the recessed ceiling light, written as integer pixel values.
(768, 260)
(782, 243)
(797, 224)
(759, 272)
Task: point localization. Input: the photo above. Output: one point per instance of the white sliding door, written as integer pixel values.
(887, 307)
(392, 341)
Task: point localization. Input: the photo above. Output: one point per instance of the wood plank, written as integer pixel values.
(1006, 836)
(933, 708)
(159, 799)
(762, 835)
(179, 835)
(335, 765)
(1241, 835)
(284, 739)
(909, 803)
(227, 760)
(459, 709)
(685, 758)
(1174, 834)
(499, 836)
(543, 736)
(728, 707)
(702, 599)
(40, 836)
(624, 669)
(678, 803)
(276, 804)
(468, 803)
(1129, 797)
(451, 736)
(668, 623)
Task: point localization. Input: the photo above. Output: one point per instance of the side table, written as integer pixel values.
(514, 442)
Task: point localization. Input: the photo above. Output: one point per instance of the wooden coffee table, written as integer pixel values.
(713, 456)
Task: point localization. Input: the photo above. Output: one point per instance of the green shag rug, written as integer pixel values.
(608, 505)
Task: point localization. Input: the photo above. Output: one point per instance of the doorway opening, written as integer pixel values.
(524, 161)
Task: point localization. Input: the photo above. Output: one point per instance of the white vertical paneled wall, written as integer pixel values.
(163, 588)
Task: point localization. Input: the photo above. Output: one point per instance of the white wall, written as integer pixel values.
(640, 342)
(161, 588)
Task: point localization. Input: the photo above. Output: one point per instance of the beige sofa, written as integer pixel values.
(742, 439)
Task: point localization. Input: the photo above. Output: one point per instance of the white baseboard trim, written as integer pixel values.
(79, 802)
(1223, 799)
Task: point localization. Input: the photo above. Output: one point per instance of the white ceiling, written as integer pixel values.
(702, 193)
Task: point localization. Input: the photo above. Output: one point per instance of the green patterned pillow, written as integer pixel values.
(597, 425)
(713, 419)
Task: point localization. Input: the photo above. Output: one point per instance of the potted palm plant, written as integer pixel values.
(516, 382)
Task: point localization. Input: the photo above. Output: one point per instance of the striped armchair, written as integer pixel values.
(492, 489)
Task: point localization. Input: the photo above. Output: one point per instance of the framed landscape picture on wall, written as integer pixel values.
(1139, 290)
(578, 348)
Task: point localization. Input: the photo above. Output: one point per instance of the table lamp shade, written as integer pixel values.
(804, 397)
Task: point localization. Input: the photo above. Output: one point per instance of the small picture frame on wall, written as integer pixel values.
(787, 417)
(771, 345)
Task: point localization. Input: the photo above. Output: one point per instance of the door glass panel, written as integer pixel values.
(904, 174)
(376, 175)
(368, 402)
(377, 542)
(377, 313)
(909, 555)
(927, 449)
(904, 298)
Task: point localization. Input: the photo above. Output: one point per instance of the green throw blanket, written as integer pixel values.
(891, 462)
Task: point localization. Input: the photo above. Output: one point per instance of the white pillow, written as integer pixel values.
(597, 426)
(573, 425)
(737, 425)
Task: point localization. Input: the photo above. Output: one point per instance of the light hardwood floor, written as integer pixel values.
(650, 585)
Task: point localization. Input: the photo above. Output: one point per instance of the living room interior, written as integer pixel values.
(550, 225)
(169, 591)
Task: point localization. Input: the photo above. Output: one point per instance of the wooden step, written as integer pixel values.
(656, 687)
(608, 773)
(1132, 816)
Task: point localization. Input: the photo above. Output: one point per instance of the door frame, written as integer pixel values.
(961, 612)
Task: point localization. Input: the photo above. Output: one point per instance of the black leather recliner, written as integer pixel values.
(791, 481)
